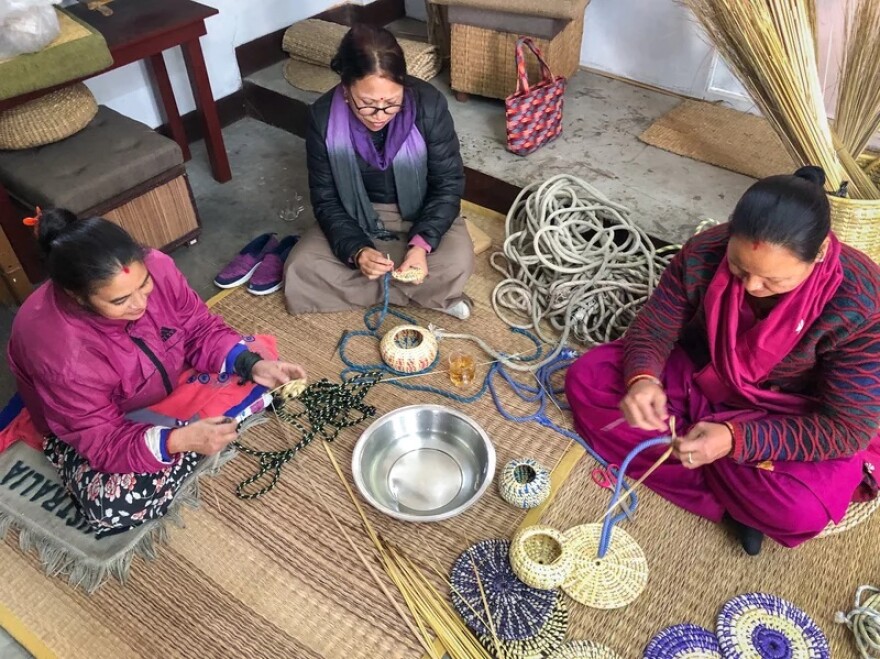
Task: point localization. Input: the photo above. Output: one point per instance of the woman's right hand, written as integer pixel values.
(373, 264)
(644, 406)
(205, 437)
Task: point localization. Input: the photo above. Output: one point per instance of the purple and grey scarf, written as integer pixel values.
(405, 151)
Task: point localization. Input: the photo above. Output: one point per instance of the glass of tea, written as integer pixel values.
(462, 368)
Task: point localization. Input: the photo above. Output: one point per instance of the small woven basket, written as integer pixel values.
(524, 483)
(409, 349)
(47, 119)
(540, 558)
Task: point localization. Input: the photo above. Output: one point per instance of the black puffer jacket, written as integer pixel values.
(445, 174)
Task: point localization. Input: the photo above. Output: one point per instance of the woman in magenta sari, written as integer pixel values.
(763, 341)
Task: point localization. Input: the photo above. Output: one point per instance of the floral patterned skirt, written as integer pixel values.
(113, 503)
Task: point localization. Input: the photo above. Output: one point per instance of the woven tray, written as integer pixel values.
(610, 582)
(584, 650)
(551, 636)
(49, 118)
(855, 515)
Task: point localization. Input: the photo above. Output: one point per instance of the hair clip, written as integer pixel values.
(33, 221)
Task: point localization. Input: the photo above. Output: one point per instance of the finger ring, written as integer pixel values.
(690, 457)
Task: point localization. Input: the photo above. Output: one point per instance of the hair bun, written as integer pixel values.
(812, 174)
(53, 222)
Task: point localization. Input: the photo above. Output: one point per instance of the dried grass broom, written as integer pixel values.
(771, 47)
(857, 115)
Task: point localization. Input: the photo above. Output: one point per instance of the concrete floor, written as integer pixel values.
(668, 194)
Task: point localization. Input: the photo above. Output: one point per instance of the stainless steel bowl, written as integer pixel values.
(423, 463)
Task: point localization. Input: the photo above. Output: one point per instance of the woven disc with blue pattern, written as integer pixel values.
(518, 611)
(685, 641)
(762, 626)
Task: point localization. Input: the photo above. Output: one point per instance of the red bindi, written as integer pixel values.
(755, 245)
(125, 269)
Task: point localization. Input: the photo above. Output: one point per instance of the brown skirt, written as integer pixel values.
(315, 281)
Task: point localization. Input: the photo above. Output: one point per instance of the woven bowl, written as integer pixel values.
(409, 349)
(47, 119)
(540, 557)
(524, 483)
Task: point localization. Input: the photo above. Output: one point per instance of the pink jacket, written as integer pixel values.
(79, 373)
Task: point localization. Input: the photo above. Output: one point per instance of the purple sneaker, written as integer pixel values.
(270, 274)
(246, 262)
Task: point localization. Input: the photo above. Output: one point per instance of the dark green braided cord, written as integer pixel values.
(327, 408)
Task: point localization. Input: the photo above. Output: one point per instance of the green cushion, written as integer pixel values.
(78, 52)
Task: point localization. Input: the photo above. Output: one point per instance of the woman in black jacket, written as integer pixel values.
(386, 180)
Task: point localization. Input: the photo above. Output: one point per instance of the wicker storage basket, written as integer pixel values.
(47, 119)
(857, 223)
(482, 60)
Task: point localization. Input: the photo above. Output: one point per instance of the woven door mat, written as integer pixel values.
(738, 141)
(275, 577)
(35, 504)
(695, 566)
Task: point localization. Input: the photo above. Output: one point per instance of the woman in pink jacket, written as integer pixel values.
(106, 336)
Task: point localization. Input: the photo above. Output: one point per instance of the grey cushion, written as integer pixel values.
(112, 155)
(499, 21)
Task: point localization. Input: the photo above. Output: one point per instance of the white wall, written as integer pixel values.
(129, 91)
(660, 43)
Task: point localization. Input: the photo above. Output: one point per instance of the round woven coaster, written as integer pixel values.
(685, 641)
(609, 582)
(583, 650)
(856, 514)
(518, 611)
(762, 626)
(551, 636)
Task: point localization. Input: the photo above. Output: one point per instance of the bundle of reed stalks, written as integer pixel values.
(430, 616)
(771, 47)
(857, 114)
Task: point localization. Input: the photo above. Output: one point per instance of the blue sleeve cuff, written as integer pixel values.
(163, 444)
(229, 363)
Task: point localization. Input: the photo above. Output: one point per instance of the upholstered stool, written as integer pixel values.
(117, 168)
(484, 34)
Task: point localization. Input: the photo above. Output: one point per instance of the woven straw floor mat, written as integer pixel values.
(695, 566)
(274, 577)
(737, 141)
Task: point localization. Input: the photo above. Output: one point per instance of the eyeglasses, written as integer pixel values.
(371, 111)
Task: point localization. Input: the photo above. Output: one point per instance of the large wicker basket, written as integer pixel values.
(482, 60)
(857, 223)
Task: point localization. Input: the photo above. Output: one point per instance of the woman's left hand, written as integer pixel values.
(416, 257)
(704, 444)
(273, 374)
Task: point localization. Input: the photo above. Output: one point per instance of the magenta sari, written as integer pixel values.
(788, 501)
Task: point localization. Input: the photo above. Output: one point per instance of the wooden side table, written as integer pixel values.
(143, 30)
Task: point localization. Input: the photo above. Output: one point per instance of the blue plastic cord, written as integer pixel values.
(541, 393)
(611, 520)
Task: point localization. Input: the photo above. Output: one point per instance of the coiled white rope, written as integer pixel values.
(864, 621)
(575, 265)
(574, 262)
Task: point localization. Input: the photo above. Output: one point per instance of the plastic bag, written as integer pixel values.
(26, 26)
